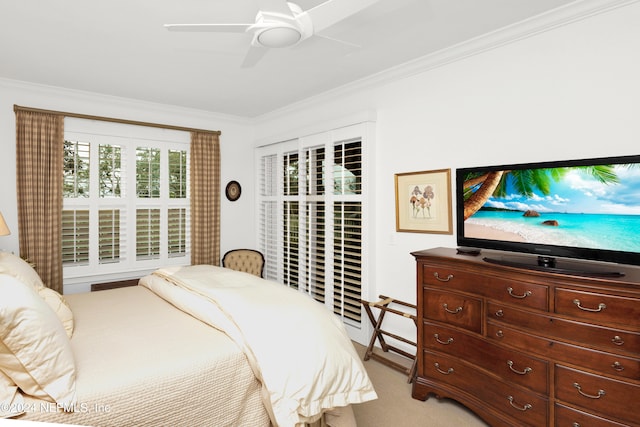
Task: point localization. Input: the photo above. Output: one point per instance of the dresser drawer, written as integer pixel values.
(605, 396)
(608, 339)
(599, 308)
(570, 417)
(454, 309)
(609, 364)
(528, 408)
(511, 365)
(521, 293)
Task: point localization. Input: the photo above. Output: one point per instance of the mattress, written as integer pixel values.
(142, 362)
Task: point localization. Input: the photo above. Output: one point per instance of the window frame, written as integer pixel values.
(129, 137)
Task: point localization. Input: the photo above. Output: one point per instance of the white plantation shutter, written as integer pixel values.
(147, 172)
(315, 223)
(112, 210)
(147, 234)
(269, 214)
(109, 235)
(111, 175)
(86, 163)
(315, 250)
(291, 219)
(75, 217)
(126, 204)
(312, 215)
(178, 172)
(347, 224)
(291, 244)
(177, 231)
(347, 259)
(178, 219)
(75, 236)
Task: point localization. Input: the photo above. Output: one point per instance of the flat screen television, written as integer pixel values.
(586, 209)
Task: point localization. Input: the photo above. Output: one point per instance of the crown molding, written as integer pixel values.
(110, 101)
(559, 17)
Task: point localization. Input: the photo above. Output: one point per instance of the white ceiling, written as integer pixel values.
(120, 47)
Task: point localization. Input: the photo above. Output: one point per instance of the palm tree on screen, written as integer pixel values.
(479, 187)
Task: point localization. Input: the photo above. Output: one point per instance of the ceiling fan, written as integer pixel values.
(280, 24)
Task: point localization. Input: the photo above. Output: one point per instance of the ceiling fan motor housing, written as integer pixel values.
(275, 30)
(278, 36)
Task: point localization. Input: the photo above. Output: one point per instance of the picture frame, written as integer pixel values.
(423, 202)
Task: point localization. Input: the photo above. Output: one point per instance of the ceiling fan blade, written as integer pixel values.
(275, 6)
(344, 42)
(254, 54)
(333, 11)
(214, 28)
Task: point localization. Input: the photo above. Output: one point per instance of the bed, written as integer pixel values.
(199, 345)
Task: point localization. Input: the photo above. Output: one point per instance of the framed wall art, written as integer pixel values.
(233, 191)
(423, 202)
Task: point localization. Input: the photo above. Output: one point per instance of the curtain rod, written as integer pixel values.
(113, 120)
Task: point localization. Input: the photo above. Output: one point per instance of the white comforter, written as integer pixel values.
(298, 350)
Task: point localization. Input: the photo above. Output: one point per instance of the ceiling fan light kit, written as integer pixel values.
(280, 24)
(278, 37)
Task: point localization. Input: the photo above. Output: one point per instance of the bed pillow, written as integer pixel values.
(35, 351)
(60, 307)
(15, 266)
(20, 269)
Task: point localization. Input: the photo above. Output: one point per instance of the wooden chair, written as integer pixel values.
(247, 260)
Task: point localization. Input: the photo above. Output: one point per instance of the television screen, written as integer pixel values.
(588, 208)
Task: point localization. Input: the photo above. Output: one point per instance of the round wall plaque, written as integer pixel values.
(233, 191)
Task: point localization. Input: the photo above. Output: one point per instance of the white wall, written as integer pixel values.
(570, 92)
(237, 224)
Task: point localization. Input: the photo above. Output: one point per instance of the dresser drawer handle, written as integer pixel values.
(617, 340)
(617, 366)
(447, 372)
(448, 310)
(590, 396)
(499, 313)
(575, 424)
(525, 371)
(446, 279)
(601, 306)
(526, 294)
(499, 333)
(447, 342)
(519, 408)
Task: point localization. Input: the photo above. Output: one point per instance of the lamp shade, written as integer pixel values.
(4, 230)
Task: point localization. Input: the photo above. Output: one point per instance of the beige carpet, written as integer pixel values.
(395, 406)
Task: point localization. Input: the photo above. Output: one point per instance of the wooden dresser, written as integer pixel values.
(521, 347)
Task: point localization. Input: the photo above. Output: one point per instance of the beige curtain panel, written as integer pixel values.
(39, 156)
(205, 198)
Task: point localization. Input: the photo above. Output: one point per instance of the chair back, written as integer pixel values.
(247, 260)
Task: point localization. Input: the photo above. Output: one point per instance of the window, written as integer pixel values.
(126, 203)
(311, 218)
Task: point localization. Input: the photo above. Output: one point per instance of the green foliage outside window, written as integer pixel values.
(147, 172)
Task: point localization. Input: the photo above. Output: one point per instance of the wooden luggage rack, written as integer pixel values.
(379, 334)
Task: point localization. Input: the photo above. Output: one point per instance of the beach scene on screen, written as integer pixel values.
(581, 208)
